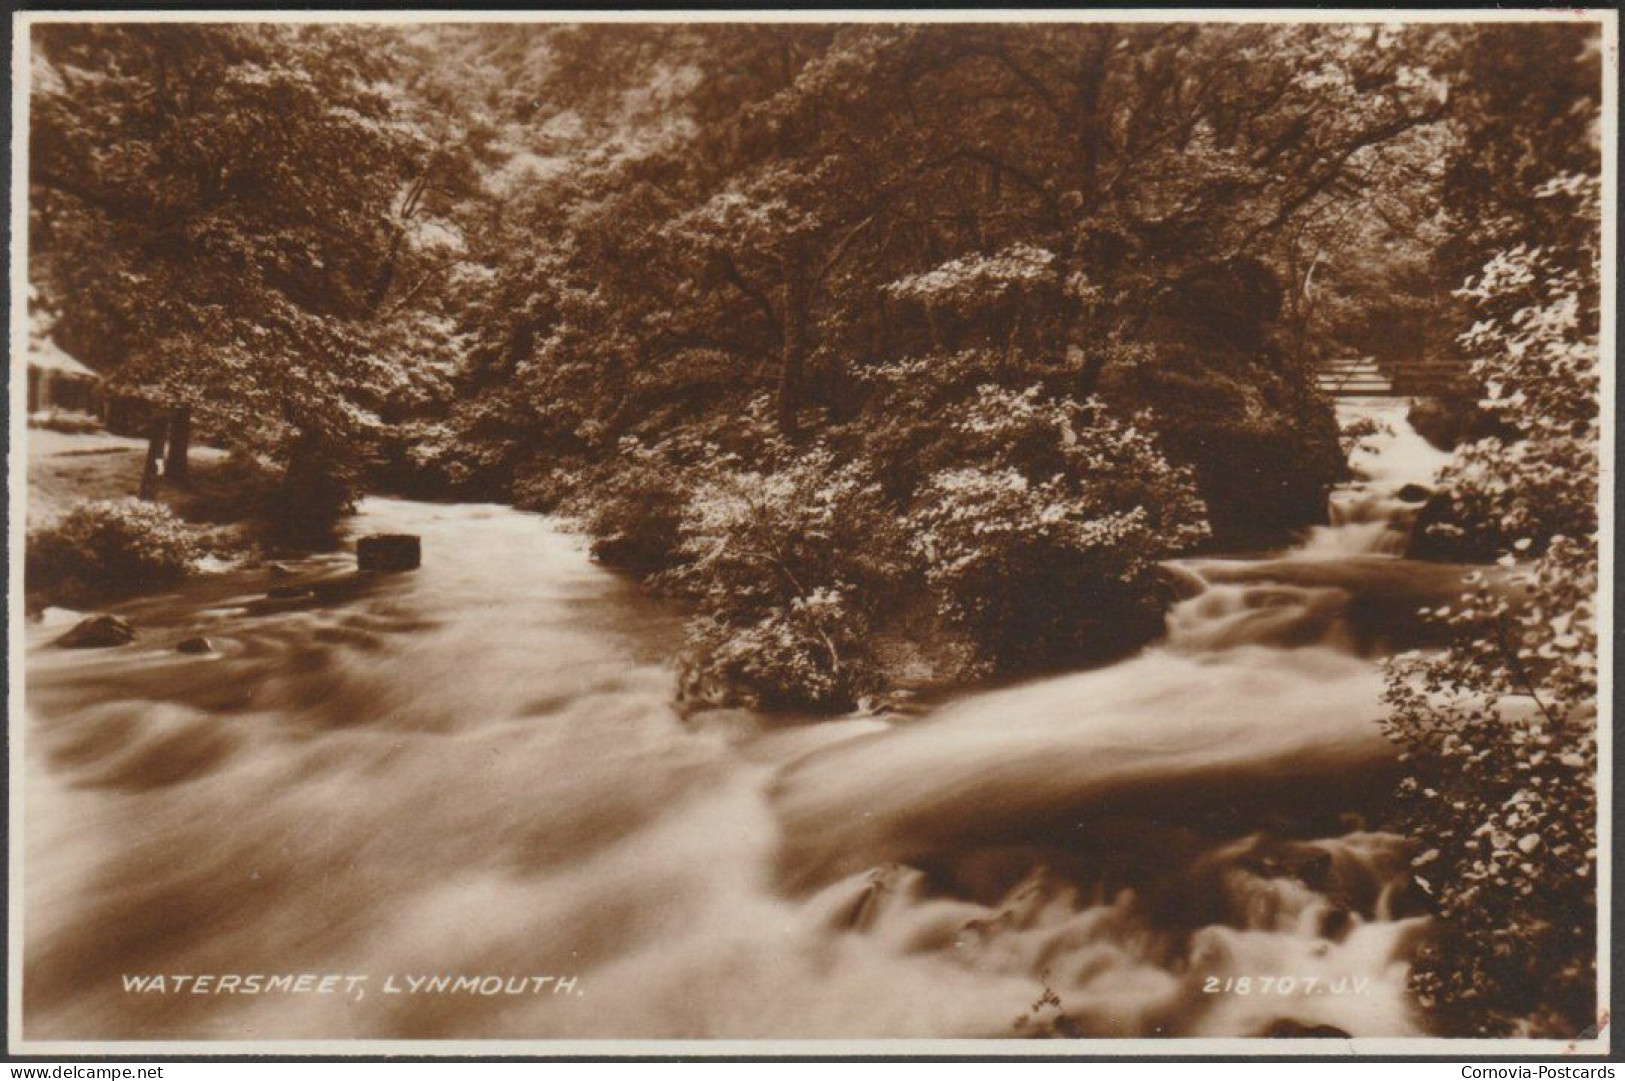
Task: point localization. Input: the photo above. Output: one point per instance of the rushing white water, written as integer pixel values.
(1368, 515)
(474, 769)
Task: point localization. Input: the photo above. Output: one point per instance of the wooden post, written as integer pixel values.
(180, 441)
(151, 470)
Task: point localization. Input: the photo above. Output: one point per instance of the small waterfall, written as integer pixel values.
(1369, 516)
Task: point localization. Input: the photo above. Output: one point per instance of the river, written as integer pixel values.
(475, 769)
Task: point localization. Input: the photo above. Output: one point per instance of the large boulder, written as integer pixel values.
(389, 552)
(1448, 422)
(98, 632)
(1443, 422)
(1240, 412)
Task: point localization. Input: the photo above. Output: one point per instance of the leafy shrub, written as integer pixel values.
(545, 484)
(1499, 737)
(811, 653)
(635, 511)
(1032, 542)
(1043, 551)
(901, 431)
(109, 548)
(472, 453)
(1499, 730)
(790, 569)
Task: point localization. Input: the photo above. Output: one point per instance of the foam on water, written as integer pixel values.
(475, 769)
(1366, 515)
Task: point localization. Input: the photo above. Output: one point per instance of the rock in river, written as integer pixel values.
(98, 632)
(1413, 493)
(389, 552)
(1287, 1028)
(195, 644)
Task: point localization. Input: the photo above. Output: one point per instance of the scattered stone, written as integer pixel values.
(1337, 923)
(196, 644)
(1313, 868)
(98, 632)
(1286, 1027)
(628, 553)
(1413, 493)
(389, 552)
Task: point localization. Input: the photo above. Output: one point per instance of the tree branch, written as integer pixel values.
(736, 278)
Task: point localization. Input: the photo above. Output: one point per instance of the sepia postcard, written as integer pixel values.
(811, 533)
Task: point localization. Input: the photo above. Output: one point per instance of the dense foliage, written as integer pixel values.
(1041, 542)
(1500, 729)
(909, 260)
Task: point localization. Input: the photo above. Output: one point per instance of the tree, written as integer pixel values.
(215, 215)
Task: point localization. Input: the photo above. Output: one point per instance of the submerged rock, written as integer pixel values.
(1287, 1028)
(389, 552)
(1413, 493)
(196, 644)
(641, 555)
(293, 597)
(98, 632)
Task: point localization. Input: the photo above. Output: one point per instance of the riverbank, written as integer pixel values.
(92, 541)
(65, 468)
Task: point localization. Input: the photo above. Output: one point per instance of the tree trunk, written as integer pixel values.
(386, 273)
(1089, 82)
(385, 276)
(793, 349)
(180, 442)
(151, 469)
(1012, 338)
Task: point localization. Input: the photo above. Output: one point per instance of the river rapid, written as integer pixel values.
(475, 769)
